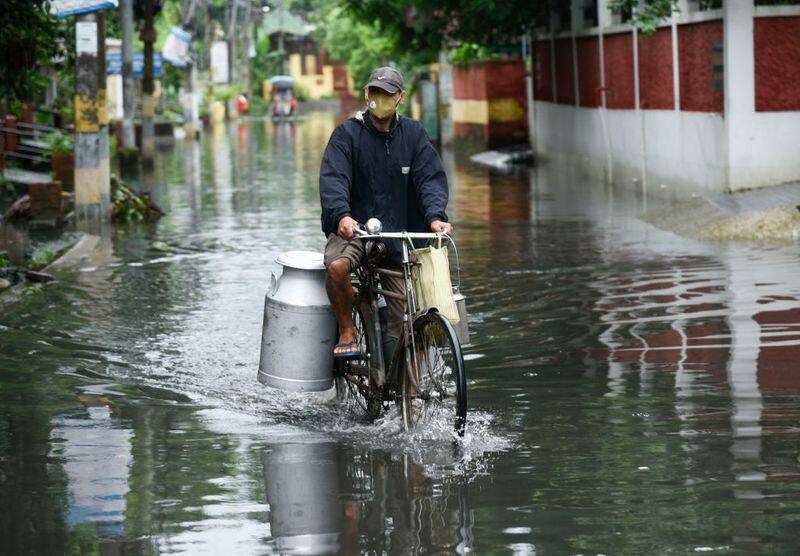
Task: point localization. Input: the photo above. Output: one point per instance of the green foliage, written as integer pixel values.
(266, 63)
(28, 40)
(3, 261)
(225, 93)
(7, 187)
(300, 93)
(59, 142)
(171, 82)
(470, 52)
(362, 43)
(645, 15)
(128, 206)
(41, 257)
(441, 23)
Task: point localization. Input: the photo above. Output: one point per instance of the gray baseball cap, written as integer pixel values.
(386, 78)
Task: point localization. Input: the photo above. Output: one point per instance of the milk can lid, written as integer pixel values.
(304, 260)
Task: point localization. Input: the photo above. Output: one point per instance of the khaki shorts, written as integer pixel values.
(353, 250)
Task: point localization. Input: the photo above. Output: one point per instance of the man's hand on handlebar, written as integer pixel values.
(347, 228)
(439, 227)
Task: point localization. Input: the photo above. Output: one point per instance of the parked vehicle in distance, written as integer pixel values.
(284, 103)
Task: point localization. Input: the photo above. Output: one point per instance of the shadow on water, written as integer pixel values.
(630, 391)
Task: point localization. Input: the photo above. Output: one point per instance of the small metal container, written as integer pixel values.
(462, 328)
(299, 326)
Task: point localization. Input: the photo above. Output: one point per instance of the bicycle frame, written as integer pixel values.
(368, 291)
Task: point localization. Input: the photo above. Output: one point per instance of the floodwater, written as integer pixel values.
(630, 391)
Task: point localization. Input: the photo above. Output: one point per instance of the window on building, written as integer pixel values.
(777, 2)
(704, 5)
(562, 16)
(621, 15)
(590, 15)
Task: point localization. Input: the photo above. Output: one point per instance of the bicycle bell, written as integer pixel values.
(374, 226)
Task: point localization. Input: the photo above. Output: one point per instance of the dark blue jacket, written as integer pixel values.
(396, 177)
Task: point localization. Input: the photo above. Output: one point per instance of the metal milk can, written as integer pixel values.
(299, 326)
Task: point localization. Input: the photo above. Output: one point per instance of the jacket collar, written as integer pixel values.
(366, 121)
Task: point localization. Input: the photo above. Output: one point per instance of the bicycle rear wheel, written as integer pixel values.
(436, 384)
(354, 378)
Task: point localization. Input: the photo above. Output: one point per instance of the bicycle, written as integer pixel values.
(426, 373)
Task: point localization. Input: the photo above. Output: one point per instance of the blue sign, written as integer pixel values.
(138, 64)
(114, 64)
(66, 8)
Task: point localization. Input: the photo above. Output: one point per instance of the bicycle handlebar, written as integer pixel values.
(364, 234)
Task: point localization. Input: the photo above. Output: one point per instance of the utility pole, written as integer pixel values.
(528, 60)
(248, 45)
(92, 198)
(128, 103)
(148, 36)
(280, 37)
(231, 36)
(189, 116)
(105, 163)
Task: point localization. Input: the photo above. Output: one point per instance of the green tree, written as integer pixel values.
(266, 63)
(422, 27)
(645, 15)
(28, 40)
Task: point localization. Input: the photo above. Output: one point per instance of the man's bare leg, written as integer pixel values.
(340, 292)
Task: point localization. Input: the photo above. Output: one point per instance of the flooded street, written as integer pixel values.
(631, 391)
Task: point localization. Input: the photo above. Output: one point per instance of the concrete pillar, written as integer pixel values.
(102, 99)
(676, 70)
(682, 7)
(91, 192)
(190, 116)
(528, 59)
(739, 64)
(190, 127)
(232, 42)
(553, 79)
(446, 129)
(603, 14)
(128, 127)
(640, 115)
(576, 25)
(148, 36)
(248, 45)
(603, 21)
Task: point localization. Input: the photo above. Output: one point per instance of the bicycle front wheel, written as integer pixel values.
(434, 378)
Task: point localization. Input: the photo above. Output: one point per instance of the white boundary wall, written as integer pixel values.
(681, 152)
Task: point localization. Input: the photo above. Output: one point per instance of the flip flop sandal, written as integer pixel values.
(354, 351)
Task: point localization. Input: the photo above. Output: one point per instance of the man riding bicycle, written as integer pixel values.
(377, 164)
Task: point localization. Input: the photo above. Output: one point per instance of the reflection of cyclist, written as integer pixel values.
(380, 165)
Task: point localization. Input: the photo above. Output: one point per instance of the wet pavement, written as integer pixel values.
(630, 391)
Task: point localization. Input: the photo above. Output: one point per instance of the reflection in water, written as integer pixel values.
(302, 483)
(629, 389)
(95, 447)
(325, 498)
